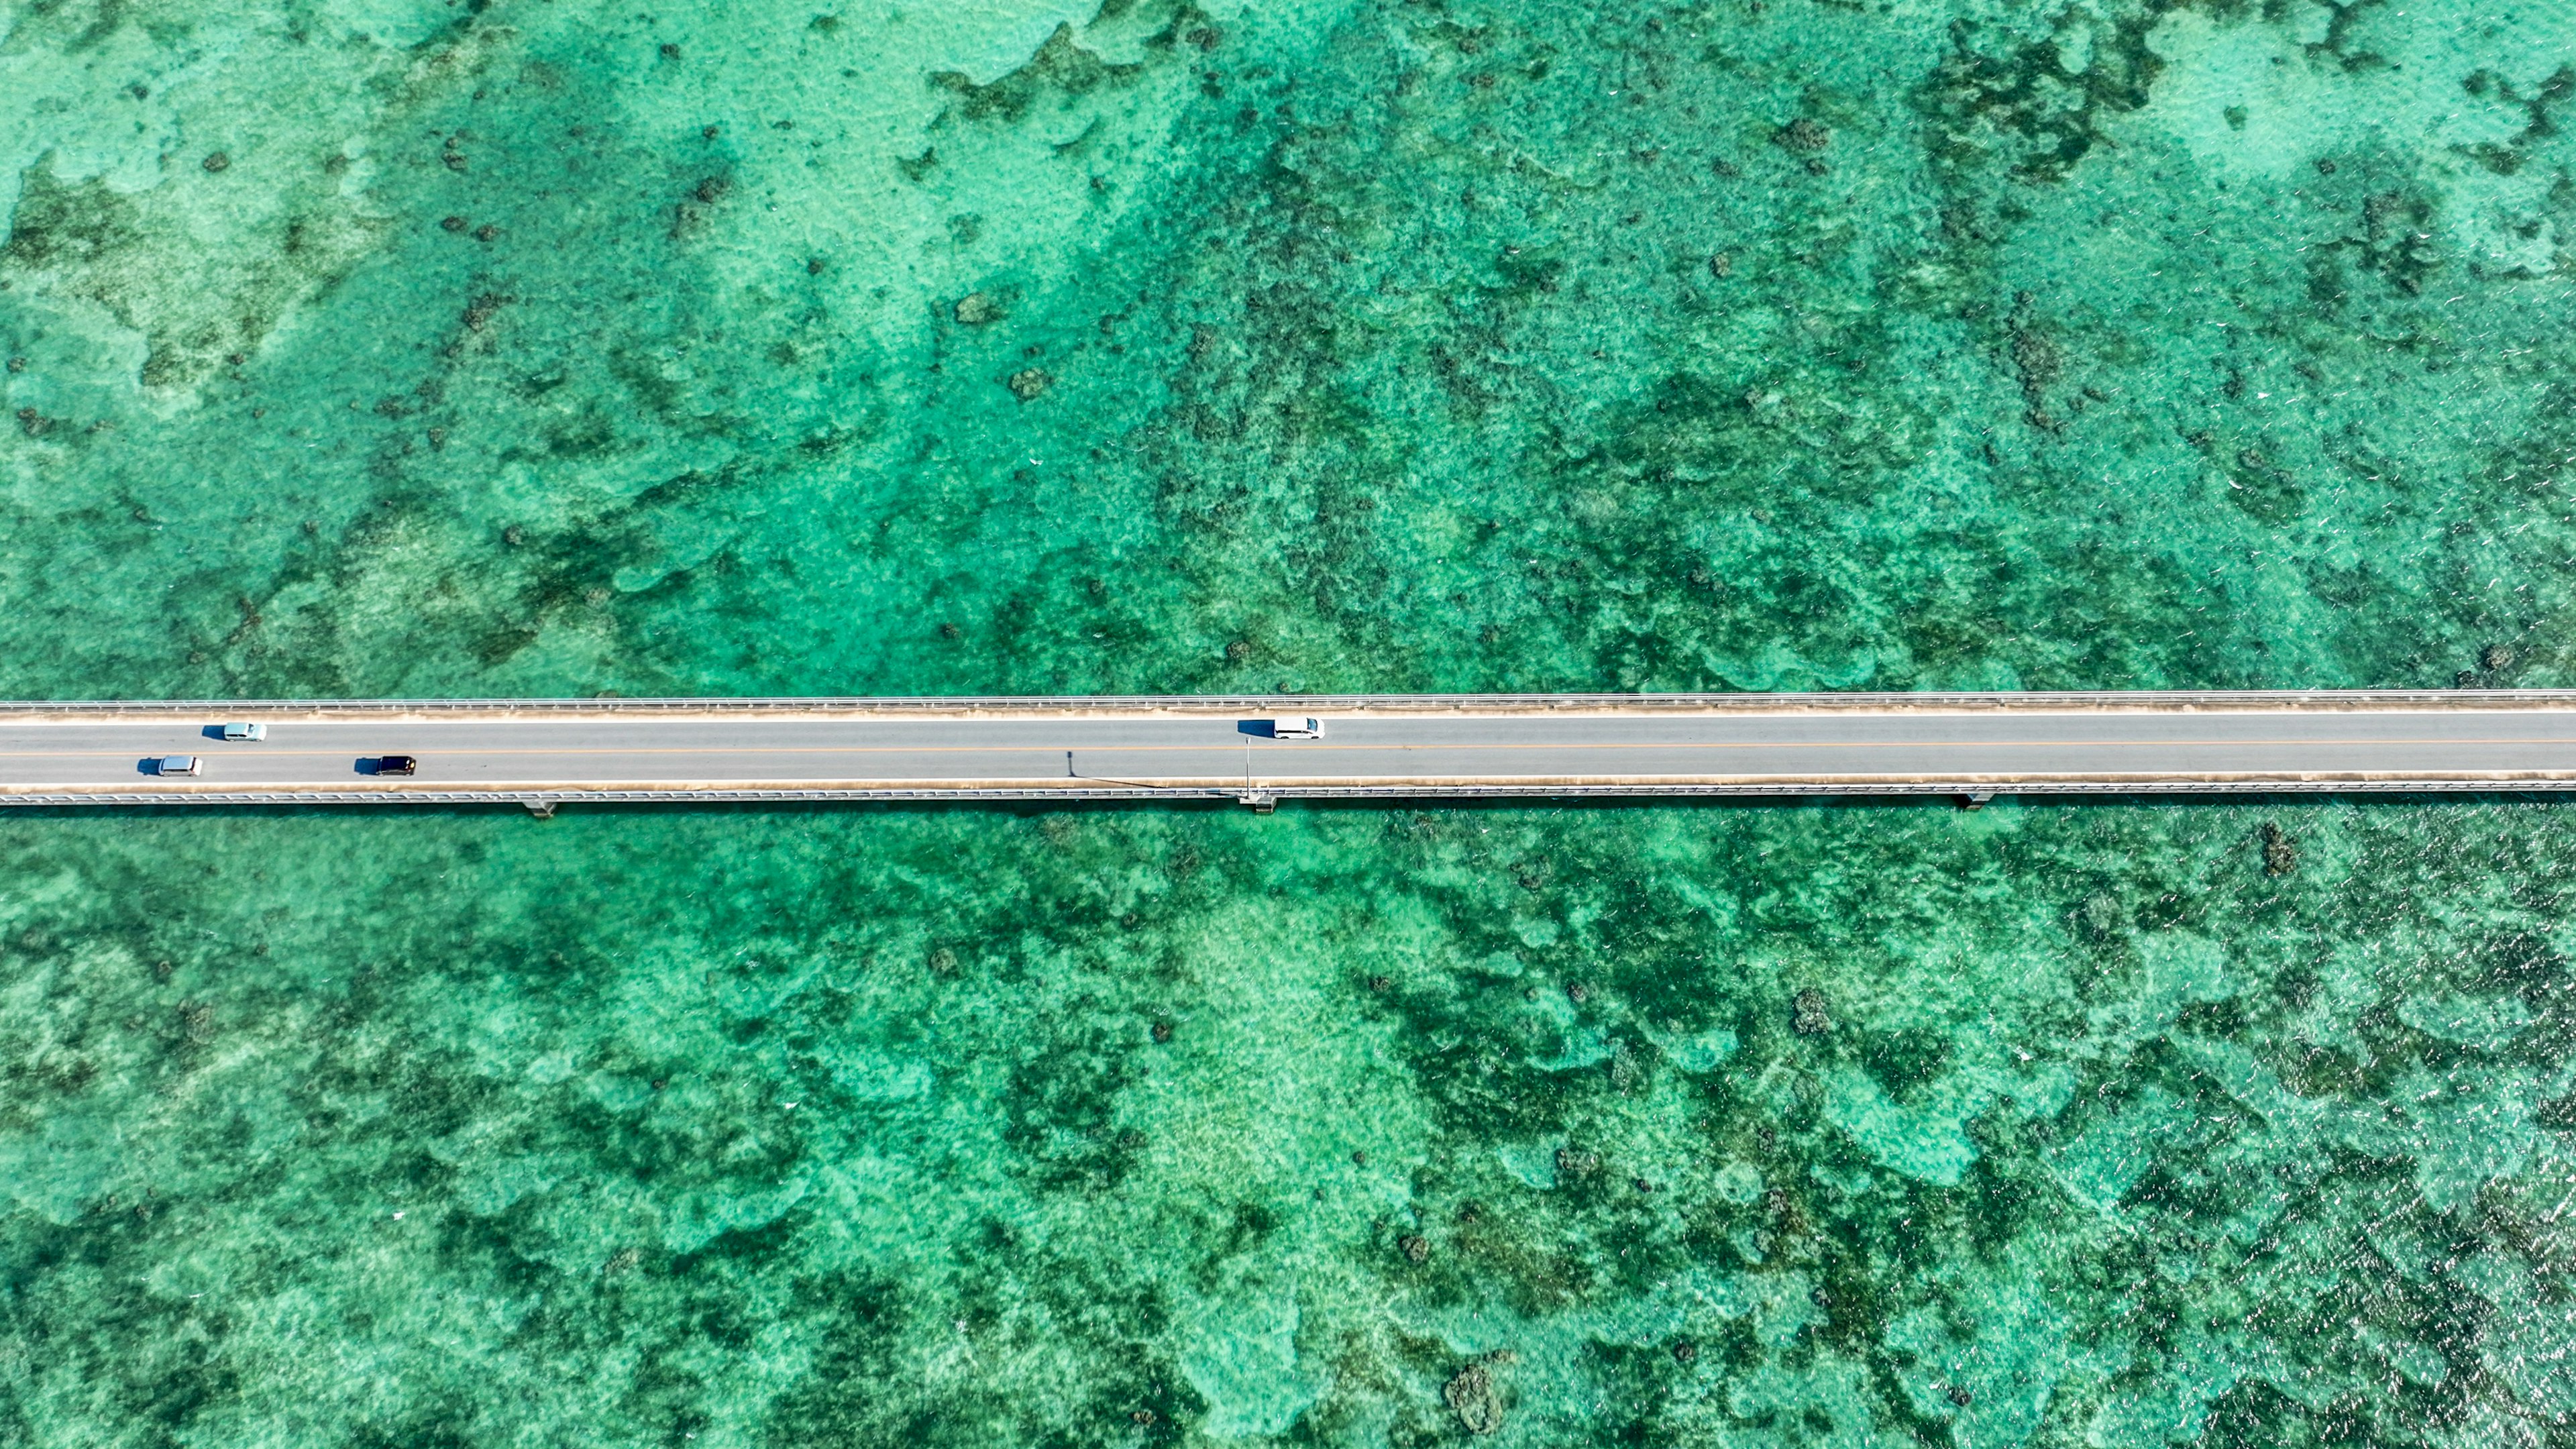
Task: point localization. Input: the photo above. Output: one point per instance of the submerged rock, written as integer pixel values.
(1803, 136)
(1028, 382)
(1474, 1399)
(1624, 1071)
(975, 309)
(1812, 1019)
(2280, 857)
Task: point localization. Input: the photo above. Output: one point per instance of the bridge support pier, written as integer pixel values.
(1262, 802)
(542, 809)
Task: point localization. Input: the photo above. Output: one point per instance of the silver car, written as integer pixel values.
(180, 765)
(245, 732)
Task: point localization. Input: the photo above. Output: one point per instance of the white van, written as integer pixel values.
(1296, 727)
(180, 765)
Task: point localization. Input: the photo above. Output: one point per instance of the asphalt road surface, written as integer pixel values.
(102, 755)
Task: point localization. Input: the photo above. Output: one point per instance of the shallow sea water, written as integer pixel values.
(532, 347)
(1758, 1126)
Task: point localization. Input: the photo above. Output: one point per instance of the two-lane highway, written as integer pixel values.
(1391, 746)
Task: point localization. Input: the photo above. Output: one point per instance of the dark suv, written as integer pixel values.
(393, 765)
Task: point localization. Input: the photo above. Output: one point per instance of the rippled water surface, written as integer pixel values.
(541, 347)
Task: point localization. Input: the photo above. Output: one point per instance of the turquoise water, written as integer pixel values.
(1692, 1126)
(1365, 346)
(536, 347)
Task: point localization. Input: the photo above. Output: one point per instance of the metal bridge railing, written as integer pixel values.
(544, 802)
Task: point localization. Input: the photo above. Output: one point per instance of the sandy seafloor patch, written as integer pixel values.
(375, 347)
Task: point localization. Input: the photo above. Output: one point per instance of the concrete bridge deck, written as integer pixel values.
(539, 752)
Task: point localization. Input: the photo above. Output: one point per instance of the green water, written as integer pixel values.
(1717, 1126)
(384, 347)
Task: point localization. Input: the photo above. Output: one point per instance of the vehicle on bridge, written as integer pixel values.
(179, 765)
(245, 732)
(389, 765)
(1296, 727)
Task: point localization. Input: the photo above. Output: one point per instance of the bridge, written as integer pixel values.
(540, 753)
